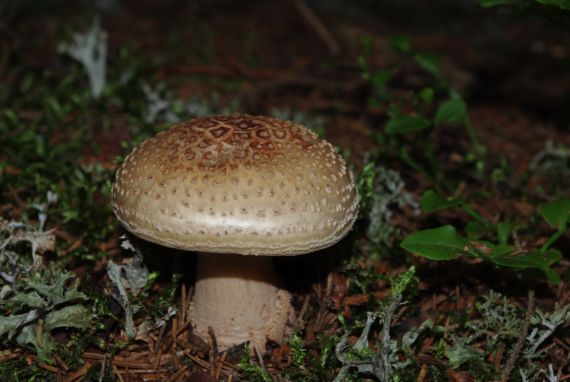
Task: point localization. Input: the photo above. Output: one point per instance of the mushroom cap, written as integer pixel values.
(249, 185)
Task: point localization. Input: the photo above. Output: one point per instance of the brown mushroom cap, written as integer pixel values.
(236, 184)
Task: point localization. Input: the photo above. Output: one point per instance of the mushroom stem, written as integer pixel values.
(241, 298)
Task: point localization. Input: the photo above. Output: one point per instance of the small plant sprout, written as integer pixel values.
(444, 243)
(90, 49)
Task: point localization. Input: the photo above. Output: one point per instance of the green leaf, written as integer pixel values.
(476, 229)
(562, 4)
(558, 5)
(401, 44)
(367, 46)
(431, 201)
(557, 213)
(441, 243)
(453, 112)
(403, 124)
(426, 95)
(430, 64)
(494, 3)
(536, 259)
(501, 250)
(380, 78)
(504, 231)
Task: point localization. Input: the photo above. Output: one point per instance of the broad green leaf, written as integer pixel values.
(501, 250)
(441, 243)
(431, 201)
(536, 259)
(453, 112)
(403, 124)
(557, 213)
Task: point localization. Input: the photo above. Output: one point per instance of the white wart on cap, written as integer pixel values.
(236, 184)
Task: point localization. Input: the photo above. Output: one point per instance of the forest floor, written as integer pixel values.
(454, 118)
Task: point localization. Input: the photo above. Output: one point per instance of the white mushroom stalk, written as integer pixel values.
(237, 185)
(241, 298)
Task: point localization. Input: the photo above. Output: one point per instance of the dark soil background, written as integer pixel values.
(511, 65)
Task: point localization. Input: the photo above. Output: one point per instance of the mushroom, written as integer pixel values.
(226, 186)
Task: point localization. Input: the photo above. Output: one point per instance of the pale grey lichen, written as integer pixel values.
(128, 280)
(382, 191)
(158, 105)
(90, 49)
(365, 360)
(164, 106)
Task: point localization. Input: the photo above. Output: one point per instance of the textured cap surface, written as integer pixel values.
(236, 184)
